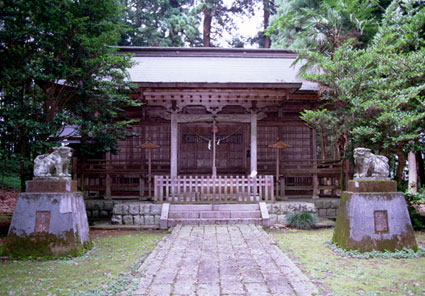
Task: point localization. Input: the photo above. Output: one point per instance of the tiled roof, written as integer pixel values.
(184, 65)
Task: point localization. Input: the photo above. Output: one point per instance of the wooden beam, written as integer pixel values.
(242, 118)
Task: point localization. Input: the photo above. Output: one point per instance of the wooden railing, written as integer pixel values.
(220, 189)
(109, 178)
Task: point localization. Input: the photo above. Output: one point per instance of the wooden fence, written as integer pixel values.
(220, 189)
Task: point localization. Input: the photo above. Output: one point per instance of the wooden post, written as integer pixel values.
(141, 186)
(253, 142)
(316, 191)
(108, 176)
(282, 188)
(174, 142)
(277, 172)
(150, 172)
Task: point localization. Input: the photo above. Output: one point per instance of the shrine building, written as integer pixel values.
(214, 125)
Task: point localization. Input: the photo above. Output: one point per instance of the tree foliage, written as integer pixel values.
(161, 23)
(324, 25)
(57, 67)
(374, 97)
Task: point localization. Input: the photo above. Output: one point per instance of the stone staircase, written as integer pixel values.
(214, 214)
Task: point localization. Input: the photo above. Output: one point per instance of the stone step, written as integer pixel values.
(183, 214)
(245, 214)
(236, 207)
(216, 221)
(213, 214)
(214, 207)
(191, 207)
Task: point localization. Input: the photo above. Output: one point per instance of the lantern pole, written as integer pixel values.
(149, 146)
(278, 145)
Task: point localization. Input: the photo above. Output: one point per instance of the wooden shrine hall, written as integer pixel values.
(206, 128)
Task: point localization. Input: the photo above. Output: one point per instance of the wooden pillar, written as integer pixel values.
(253, 142)
(316, 191)
(108, 180)
(174, 143)
(214, 148)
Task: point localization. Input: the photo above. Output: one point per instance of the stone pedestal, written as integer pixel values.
(49, 223)
(373, 216)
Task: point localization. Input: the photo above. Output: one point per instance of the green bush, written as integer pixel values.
(414, 200)
(303, 220)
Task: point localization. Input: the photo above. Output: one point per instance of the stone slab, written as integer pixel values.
(51, 186)
(372, 186)
(163, 221)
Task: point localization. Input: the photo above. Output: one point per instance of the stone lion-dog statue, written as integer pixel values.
(59, 159)
(370, 165)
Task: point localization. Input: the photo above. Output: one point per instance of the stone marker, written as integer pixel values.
(50, 218)
(372, 215)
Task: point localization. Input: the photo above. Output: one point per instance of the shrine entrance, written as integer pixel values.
(195, 153)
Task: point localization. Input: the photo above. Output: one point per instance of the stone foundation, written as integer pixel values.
(370, 220)
(279, 210)
(137, 213)
(98, 209)
(148, 214)
(48, 224)
(327, 207)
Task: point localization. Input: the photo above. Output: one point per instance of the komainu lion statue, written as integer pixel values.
(369, 164)
(46, 164)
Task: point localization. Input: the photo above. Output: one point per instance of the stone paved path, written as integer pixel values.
(220, 260)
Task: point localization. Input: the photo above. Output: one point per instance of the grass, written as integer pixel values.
(335, 275)
(104, 270)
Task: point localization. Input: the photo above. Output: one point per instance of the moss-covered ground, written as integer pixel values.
(104, 270)
(335, 275)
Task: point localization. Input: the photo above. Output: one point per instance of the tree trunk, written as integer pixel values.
(322, 146)
(266, 8)
(421, 170)
(401, 164)
(413, 174)
(207, 28)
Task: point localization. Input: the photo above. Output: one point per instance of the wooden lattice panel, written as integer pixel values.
(294, 133)
(131, 155)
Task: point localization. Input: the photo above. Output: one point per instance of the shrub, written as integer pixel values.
(413, 201)
(303, 220)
